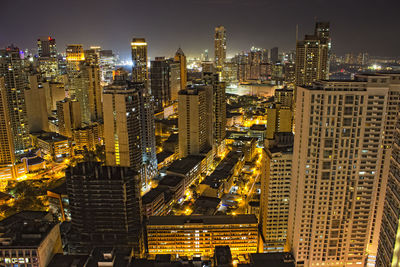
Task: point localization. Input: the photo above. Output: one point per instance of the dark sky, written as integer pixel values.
(356, 25)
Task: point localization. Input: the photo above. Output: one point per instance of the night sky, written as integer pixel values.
(372, 26)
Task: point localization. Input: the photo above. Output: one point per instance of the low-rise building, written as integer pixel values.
(53, 145)
(189, 167)
(176, 184)
(156, 201)
(29, 238)
(198, 235)
(165, 158)
(59, 202)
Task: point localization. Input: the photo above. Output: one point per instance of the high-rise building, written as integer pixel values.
(274, 55)
(389, 238)
(219, 107)
(121, 108)
(342, 149)
(11, 68)
(36, 105)
(69, 116)
(139, 60)
(276, 174)
(220, 48)
(159, 78)
(47, 53)
(7, 159)
(105, 206)
(75, 52)
(92, 95)
(47, 47)
(181, 58)
(174, 78)
(312, 56)
(195, 120)
(107, 63)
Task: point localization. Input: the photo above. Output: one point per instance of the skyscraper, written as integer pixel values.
(105, 206)
(7, 160)
(341, 158)
(274, 55)
(107, 62)
(47, 53)
(218, 109)
(195, 120)
(219, 48)
(160, 87)
(139, 60)
(122, 127)
(389, 238)
(181, 58)
(174, 78)
(312, 56)
(11, 68)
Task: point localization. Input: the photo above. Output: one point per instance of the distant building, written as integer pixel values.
(312, 56)
(181, 58)
(160, 88)
(274, 55)
(107, 217)
(139, 60)
(220, 48)
(29, 238)
(198, 235)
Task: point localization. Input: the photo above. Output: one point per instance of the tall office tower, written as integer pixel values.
(342, 149)
(105, 206)
(36, 105)
(107, 64)
(92, 92)
(148, 135)
(47, 47)
(139, 60)
(69, 116)
(389, 238)
(181, 58)
(218, 109)
(75, 56)
(312, 56)
(220, 47)
(7, 160)
(195, 120)
(122, 127)
(92, 55)
(174, 78)
(159, 79)
(276, 176)
(11, 68)
(47, 53)
(274, 55)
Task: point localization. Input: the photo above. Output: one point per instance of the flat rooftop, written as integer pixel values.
(201, 219)
(278, 259)
(153, 194)
(52, 137)
(170, 181)
(184, 165)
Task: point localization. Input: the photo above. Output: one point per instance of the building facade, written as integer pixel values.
(342, 148)
(198, 235)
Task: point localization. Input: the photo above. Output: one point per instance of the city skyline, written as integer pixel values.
(183, 25)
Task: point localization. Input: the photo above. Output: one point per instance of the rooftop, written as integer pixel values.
(61, 260)
(25, 229)
(153, 194)
(278, 259)
(51, 137)
(184, 165)
(170, 181)
(163, 155)
(201, 219)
